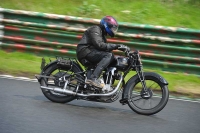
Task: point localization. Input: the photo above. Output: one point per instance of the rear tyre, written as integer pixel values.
(57, 72)
(154, 102)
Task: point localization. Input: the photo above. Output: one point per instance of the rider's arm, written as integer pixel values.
(95, 36)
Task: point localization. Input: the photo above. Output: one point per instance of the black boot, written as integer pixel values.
(95, 82)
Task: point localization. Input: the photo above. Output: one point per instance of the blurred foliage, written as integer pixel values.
(88, 10)
(176, 13)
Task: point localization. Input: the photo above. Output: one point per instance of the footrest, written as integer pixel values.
(123, 101)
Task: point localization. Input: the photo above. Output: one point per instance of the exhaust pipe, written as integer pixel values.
(69, 92)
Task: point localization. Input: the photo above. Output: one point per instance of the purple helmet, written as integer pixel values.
(110, 24)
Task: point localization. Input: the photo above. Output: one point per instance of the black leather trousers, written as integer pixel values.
(101, 59)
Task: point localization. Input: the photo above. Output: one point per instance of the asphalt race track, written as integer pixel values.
(24, 109)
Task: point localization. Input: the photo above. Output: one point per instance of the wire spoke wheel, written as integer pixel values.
(147, 103)
(56, 79)
(150, 100)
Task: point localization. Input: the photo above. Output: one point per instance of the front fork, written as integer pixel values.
(145, 92)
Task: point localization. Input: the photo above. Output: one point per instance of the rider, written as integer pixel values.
(93, 47)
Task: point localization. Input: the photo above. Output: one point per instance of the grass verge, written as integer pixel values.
(24, 64)
(176, 13)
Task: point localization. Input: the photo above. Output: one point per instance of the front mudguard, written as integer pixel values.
(131, 84)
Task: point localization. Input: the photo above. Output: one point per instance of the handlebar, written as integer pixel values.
(127, 51)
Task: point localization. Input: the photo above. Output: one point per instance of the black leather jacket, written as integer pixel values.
(93, 38)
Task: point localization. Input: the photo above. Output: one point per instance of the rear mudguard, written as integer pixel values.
(131, 83)
(55, 63)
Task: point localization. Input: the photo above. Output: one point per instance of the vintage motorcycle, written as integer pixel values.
(63, 80)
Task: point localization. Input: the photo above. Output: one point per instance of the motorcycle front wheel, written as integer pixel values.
(151, 100)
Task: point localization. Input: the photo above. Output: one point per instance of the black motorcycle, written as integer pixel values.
(63, 80)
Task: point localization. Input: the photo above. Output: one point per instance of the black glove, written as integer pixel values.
(112, 46)
(123, 47)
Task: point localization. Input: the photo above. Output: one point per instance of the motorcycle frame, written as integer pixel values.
(134, 64)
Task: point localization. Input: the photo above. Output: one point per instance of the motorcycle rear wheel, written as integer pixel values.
(55, 71)
(157, 100)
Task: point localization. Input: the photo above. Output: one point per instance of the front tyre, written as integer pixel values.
(157, 98)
